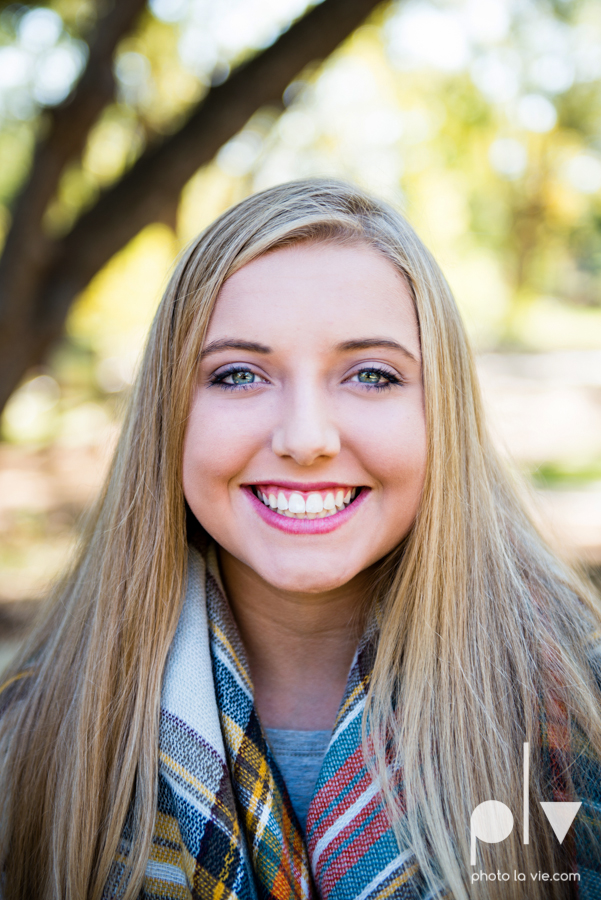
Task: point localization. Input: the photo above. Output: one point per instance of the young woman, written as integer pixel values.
(312, 646)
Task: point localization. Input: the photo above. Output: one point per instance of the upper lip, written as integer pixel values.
(304, 486)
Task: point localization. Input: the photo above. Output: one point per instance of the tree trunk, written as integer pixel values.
(39, 277)
(29, 252)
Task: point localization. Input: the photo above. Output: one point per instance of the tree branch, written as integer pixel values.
(152, 186)
(28, 251)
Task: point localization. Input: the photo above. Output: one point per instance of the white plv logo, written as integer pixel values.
(492, 821)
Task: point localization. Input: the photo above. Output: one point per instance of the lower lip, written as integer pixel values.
(307, 526)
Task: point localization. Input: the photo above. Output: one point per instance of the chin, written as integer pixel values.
(297, 579)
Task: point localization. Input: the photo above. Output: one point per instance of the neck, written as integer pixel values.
(300, 646)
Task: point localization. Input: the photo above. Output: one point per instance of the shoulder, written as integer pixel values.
(585, 775)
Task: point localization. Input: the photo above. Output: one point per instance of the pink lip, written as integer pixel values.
(306, 526)
(304, 486)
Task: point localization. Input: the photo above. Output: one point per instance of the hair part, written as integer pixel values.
(483, 629)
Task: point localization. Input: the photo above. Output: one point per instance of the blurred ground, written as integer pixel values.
(544, 410)
(545, 413)
(43, 494)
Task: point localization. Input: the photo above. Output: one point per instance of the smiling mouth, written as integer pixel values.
(305, 505)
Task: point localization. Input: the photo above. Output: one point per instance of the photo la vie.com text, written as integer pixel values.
(492, 822)
(521, 876)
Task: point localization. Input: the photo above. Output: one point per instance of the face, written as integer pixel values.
(305, 449)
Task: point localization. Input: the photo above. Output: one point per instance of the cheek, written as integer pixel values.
(394, 449)
(216, 449)
(399, 465)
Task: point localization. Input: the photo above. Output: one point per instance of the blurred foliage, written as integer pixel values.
(552, 474)
(481, 118)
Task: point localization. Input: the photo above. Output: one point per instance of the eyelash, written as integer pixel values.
(219, 380)
(392, 379)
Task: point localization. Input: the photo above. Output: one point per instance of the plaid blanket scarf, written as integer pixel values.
(225, 825)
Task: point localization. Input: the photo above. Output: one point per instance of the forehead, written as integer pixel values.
(342, 290)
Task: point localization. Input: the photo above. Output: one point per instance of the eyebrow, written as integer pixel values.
(368, 343)
(248, 346)
(254, 347)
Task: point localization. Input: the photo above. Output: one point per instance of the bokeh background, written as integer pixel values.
(127, 127)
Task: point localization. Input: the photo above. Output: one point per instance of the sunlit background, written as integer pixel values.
(481, 119)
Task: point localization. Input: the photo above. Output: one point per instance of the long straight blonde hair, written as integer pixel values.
(480, 621)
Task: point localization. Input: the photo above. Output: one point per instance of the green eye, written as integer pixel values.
(378, 379)
(369, 376)
(242, 377)
(234, 378)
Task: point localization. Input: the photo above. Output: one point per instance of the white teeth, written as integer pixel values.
(296, 503)
(315, 506)
(314, 503)
(329, 502)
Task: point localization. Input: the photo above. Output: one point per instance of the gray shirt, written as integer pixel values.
(299, 755)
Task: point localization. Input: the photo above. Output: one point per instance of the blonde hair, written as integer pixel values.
(480, 621)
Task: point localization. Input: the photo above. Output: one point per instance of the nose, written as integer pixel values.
(305, 431)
